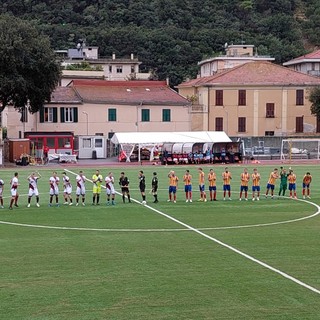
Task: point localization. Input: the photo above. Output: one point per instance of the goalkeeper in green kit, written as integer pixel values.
(283, 181)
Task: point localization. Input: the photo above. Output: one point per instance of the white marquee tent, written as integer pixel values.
(128, 140)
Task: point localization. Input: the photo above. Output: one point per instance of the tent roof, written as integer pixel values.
(173, 137)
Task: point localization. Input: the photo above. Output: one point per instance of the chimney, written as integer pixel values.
(113, 56)
(132, 56)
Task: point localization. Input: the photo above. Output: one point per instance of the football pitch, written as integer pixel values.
(199, 260)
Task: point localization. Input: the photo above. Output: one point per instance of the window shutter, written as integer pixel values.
(75, 114)
(55, 114)
(41, 115)
(61, 115)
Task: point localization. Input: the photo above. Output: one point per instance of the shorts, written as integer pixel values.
(244, 188)
(188, 188)
(304, 185)
(201, 187)
(212, 188)
(256, 188)
(125, 190)
(226, 187)
(154, 189)
(292, 186)
(110, 190)
(67, 190)
(33, 192)
(270, 186)
(81, 191)
(14, 192)
(142, 187)
(96, 189)
(172, 189)
(54, 191)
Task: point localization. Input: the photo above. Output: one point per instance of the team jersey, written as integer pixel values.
(142, 181)
(272, 178)
(33, 183)
(154, 182)
(109, 181)
(173, 181)
(292, 178)
(187, 179)
(14, 183)
(245, 177)
(97, 179)
(201, 178)
(1, 183)
(80, 181)
(124, 182)
(307, 179)
(226, 176)
(54, 181)
(255, 179)
(212, 179)
(66, 181)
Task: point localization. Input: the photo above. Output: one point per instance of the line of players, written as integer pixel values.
(245, 179)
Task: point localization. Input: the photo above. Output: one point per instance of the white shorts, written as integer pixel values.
(110, 190)
(80, 191)
(14, 192)
(67, 190)
(54, 191)
(33, 192)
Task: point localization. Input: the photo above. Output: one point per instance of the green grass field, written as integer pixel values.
(164, 260)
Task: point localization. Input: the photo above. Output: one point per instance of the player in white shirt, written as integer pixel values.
(54, 188)
(1, 193)
(33, 188)
(14, 183)
(67, 189)
(109, 180)
(81, 188)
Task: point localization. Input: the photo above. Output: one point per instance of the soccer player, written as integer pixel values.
(124, 183)
(212, 178)
(81, 188)
(142, 186)
(54, 188)
(96, 179)
(1, 193)
(283, 181)
(306, 181)
(255, 185)
(67, 189)
(154, 186)
(271, 182)
(245, 178)
(14, 183)
(173, 186)
(109, 180)
(187, 179)
(292, 178)
(226, 177)
(33, 188)
(203, 196)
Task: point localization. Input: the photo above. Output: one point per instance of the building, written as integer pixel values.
(235, 55)
(253, 99)
(309, 64)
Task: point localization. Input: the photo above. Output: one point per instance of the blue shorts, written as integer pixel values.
(213, 188)
(255, 188)
(292, 186)
(226, 187)
(304, 185)
(243, 188)
(201, 187)
(270, 186)
(172, 189)
(188, 188)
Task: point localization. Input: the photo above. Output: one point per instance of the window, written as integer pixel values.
(69, 114)
(299, 97)
(97, 143)
(269, 133)
(299, 124)
(219, 124)
(132, 69)
(145, 115)
(48, 114)
(112, 114)
(241, 124)
(219, 97)
(110, 69)
(24, 115)
(119, 69)
(270, 110)
(86, 143)
(166, 115)
(242, 98)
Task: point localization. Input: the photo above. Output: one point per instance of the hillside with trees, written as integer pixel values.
(171, 36)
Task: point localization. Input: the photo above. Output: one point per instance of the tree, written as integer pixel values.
(314, 98)
(29, 71)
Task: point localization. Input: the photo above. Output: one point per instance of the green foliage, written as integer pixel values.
(84, 66)
(314, 98)
(28, 70)
(171, 36)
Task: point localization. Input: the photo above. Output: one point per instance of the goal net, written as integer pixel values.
(300, 149)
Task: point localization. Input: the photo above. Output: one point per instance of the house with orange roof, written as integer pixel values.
(309, 63)
(254, 99)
